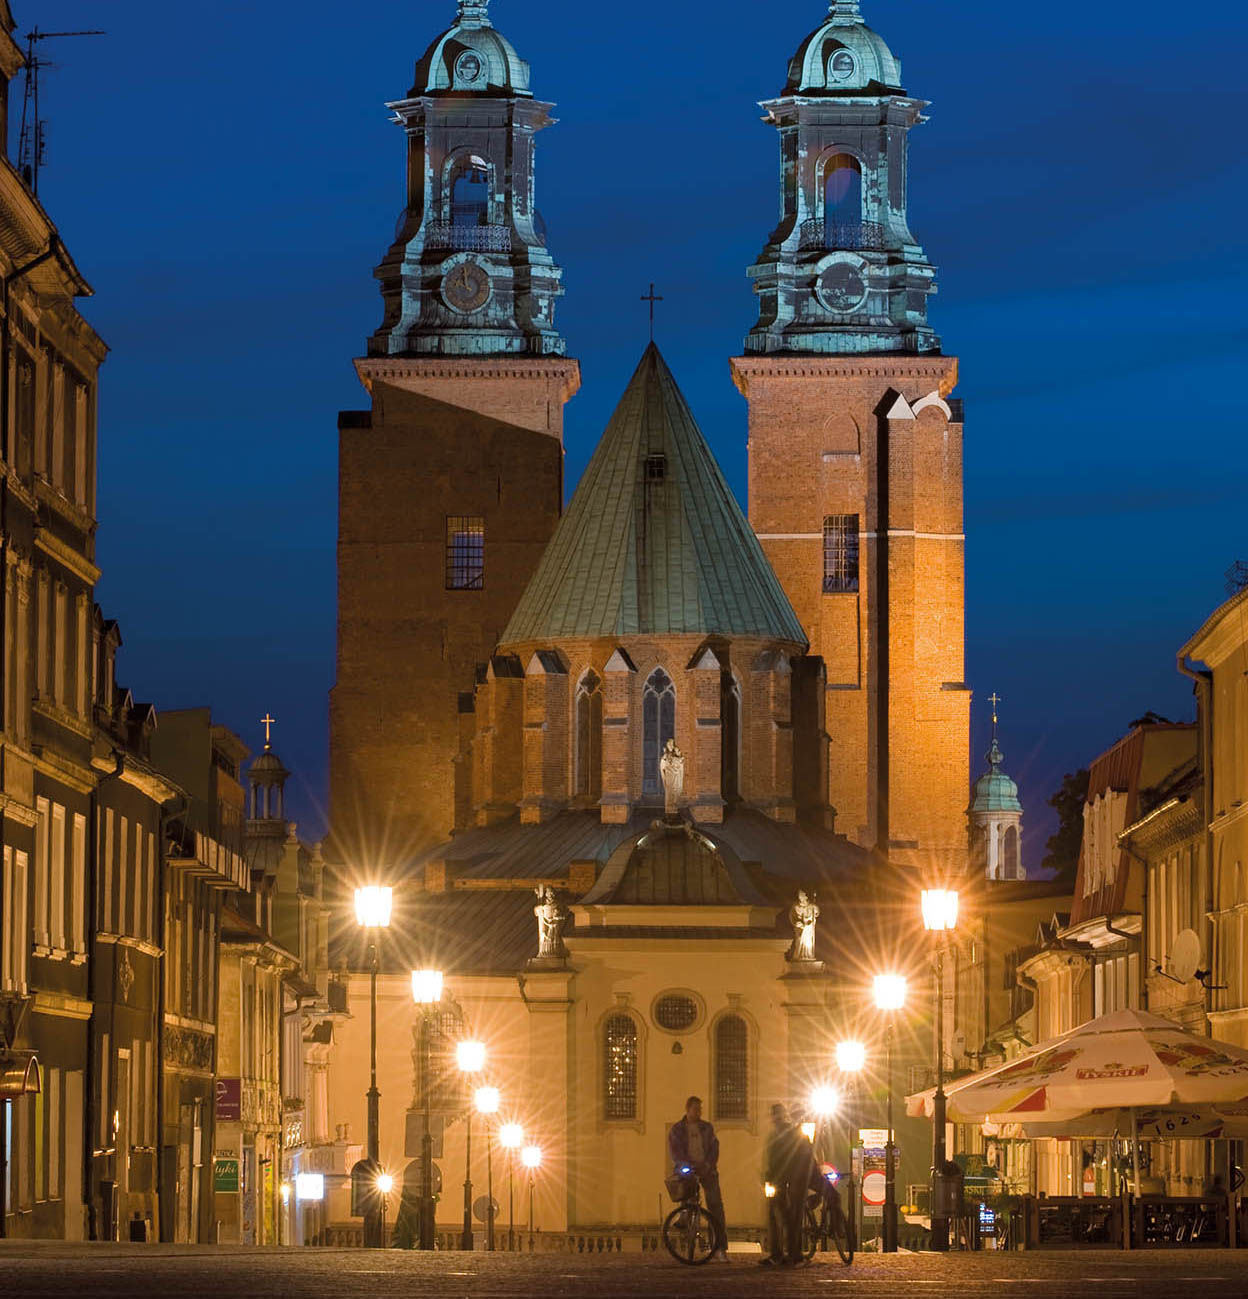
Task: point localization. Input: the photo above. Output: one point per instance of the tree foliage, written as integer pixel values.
(1062, 850)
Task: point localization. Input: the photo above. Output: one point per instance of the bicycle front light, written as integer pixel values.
(769, 1191)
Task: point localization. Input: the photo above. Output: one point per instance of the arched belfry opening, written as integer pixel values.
(470, 192)
(842, 201)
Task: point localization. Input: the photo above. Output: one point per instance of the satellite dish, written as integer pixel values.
(1185, 956)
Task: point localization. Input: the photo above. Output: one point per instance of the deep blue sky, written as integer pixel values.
(226, 178)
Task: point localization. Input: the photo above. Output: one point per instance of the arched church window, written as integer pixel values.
(730, 737)
(470, 194)
(732, 1068)
(842, 202)
(1009, 857)
(658, 725)
(588, 764)
(619, 1078)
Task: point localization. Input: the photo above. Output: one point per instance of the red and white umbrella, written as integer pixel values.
(1127, 1061)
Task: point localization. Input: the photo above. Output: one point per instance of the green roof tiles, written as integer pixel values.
(653, 540)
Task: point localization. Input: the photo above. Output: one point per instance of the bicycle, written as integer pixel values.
(689, 1230)
(825, 1220)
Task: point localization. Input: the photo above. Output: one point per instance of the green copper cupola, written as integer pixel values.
(842, 274)
(469, 273)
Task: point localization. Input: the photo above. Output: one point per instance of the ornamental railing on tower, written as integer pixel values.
(847, 236)
(467, 238)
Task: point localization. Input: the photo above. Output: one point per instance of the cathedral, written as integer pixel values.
(655, 780)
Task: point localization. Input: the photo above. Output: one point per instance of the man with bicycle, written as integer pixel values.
(692, 1143)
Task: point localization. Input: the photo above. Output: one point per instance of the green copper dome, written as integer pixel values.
(995, 791)
(653, 541)
(471, 58)
(843, 56)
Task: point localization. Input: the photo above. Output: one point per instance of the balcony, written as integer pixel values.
(468, 238)
(843, 236)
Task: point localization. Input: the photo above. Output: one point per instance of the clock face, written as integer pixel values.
(465, 287)
(841, 287)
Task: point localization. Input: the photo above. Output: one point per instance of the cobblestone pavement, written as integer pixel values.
(187, 1272)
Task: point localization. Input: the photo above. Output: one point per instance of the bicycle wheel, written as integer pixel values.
(689, 1234)
(838, 1233)
(810, 1233)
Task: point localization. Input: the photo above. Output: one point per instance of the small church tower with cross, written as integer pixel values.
(451, 482)
(855, 447)
(996, 816)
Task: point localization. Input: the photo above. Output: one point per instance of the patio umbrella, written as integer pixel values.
(1128, 1060)
(1152, 1123)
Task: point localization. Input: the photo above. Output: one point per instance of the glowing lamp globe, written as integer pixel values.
(486, 1100)
(940, 909)
(531, 1156)
(850, 1056)
(426, 987)
(373, 905)
(470, 1056)
(890, 991)
(511, 1136)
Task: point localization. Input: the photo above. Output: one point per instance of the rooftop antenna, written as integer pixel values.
(33, 140)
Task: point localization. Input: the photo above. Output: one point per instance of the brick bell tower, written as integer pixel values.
(855, 448)
(451, 484)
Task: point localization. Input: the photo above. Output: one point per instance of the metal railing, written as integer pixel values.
(850, 236)
(468, 239)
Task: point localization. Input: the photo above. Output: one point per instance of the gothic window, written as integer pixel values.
(842, 202)
(1009, 862)
(465, 552)
(658, 725)
(588, 764)
(619, 1078)
(470, 194)
(730, 737)
(732, 1068)
(840, 553)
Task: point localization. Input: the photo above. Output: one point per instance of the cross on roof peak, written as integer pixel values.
(267, 722)
(652, 298)
(994, 699)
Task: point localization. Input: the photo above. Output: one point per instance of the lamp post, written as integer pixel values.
(385, 1184)
(426, 993)
(851, 1056)
(890, 996)
(373, 905)
(470, 1057)
(511, 1138)
(940, 917)
(487, 1101)
(531, 1158)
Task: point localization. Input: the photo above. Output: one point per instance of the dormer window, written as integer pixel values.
(656, 468)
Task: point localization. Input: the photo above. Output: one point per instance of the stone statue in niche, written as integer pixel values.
(803, 914)
(550, 921)
(672, 773)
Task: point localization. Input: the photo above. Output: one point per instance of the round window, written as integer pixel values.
(841, 66)
(677, 1012)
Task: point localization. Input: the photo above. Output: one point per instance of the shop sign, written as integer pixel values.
(225, 1174)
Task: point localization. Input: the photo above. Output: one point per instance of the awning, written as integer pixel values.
(19, 1074)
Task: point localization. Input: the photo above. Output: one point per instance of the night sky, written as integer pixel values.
(226, 178)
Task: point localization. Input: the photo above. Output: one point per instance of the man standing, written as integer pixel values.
(789, 1167)
(692, 1143)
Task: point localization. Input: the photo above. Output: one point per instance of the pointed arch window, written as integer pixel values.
(619, 1077)
(658, 725)
(730, 737)
(588, 757)
(732, 1068)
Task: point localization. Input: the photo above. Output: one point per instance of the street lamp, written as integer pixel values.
(373, 905)
(940, 917)
(511, 1138)
(890, 996)
(487, 1101)
(531, 1158)
(470, 1057)
(426, 993)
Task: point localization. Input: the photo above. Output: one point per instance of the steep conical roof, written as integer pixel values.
(653, 541)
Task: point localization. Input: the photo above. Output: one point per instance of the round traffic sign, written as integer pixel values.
(873, 1186)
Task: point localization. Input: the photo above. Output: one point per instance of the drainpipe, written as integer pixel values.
(173, 808)
(91, 1110)
(1204, 711)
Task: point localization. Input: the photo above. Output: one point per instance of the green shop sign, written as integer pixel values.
(225, 1174)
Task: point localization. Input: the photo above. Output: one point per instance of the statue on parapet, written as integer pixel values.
(672, 773)
(802, 915)
(551, 918)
